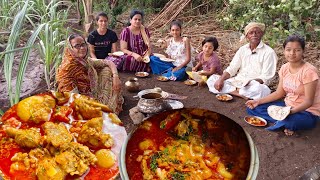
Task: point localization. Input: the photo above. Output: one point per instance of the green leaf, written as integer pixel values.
(23, 62)
(12, 42)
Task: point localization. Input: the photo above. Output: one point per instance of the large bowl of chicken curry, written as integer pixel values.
(187, 144)
(60, 136)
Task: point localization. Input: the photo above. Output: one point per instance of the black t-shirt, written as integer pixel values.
(102, 43)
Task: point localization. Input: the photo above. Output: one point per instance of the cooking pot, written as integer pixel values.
(151, 102)
(227, 125)
(132, 85)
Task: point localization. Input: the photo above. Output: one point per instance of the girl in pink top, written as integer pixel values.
(299, 84)
(207, 59)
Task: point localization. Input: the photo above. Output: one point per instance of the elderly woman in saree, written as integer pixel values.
(135, 43)
(96, 78)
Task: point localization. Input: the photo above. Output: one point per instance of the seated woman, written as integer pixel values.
(102, 41)
(207, 59)
(98, 79)
(299, 83)
(178, 49)
(135, 43)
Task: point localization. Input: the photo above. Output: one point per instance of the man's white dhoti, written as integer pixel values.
(252, 90)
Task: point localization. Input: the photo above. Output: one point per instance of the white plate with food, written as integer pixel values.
(162, 78)
(175, 104)
(224, 97)
(142, 74)
(190, 82)
(255, 121)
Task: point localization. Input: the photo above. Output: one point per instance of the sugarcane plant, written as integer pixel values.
(47, 32)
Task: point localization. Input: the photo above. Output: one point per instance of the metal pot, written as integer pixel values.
(132, 85)
(151, 103)
(254, 157)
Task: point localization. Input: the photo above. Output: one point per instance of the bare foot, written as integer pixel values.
(288, 132)
(236, 93)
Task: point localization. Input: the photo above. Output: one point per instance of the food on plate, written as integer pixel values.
(162, 78)
(91, 134)
(224, 97)
(88, 108)
(58, 136)
(35, 108)
(29, 138)
(106, 158)
(62, 97)
(114, 118)
(196, 76)
(278, 112)
(190, 82)
(256, 121)
(142, 74)
(178, 144)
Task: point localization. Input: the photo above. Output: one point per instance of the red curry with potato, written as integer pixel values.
(188, 144)
(45, 137)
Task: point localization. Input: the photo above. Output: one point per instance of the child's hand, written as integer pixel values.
(202, 73)
(194, 69)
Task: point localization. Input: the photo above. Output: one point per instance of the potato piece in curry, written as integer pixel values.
(36, 108)
(48, 169)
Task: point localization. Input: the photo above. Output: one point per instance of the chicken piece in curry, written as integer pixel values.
(91, 134)
(24, 161)
(29, 138)
(56, 134)
(75, 158)
(88, 108)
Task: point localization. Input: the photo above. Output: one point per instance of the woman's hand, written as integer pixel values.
(116, 83)
(137, 57)
(252, 103)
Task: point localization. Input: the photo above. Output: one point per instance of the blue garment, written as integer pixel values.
(165, 69)
(297, 121)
